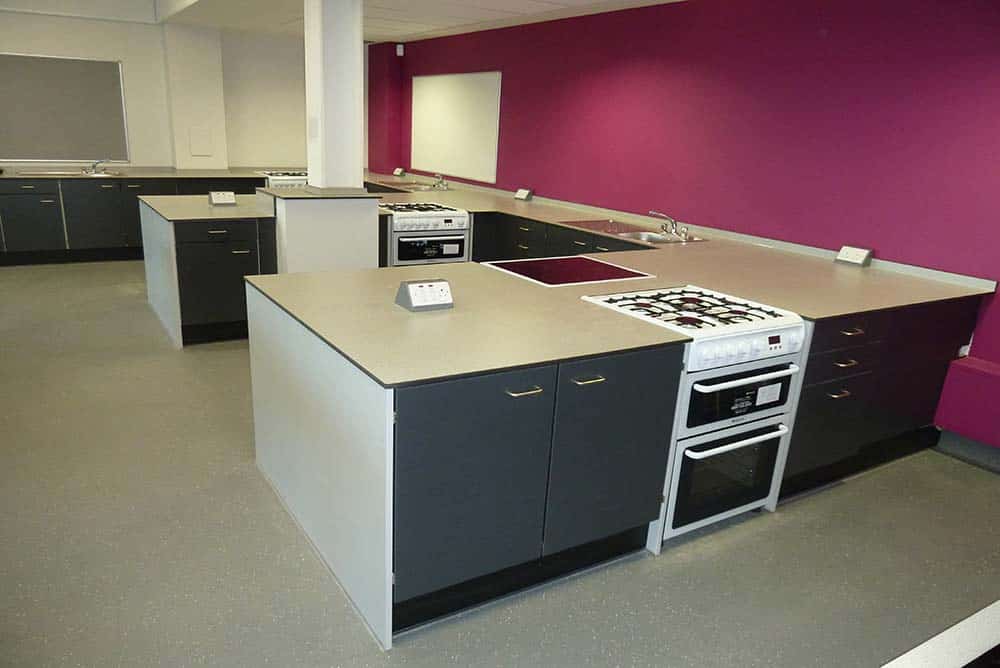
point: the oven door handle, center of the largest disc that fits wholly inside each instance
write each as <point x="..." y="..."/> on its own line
<point x="435" y="238"/>
<point x="705" y="389"/>
<point x="782" y="430"/>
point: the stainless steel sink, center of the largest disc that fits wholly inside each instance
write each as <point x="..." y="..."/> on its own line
<point x="657" y="238"/>
<point x="410" y="185"/>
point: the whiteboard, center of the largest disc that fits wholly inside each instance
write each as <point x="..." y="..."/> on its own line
<point x="456" y="125"/>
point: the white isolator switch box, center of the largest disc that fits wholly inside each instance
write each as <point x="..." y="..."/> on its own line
<point x="861" y="257"/>
<point x="222" y="197"/>
<point x="429" y="295"/>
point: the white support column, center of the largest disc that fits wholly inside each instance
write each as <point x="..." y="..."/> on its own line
<point x="334" y="93"/>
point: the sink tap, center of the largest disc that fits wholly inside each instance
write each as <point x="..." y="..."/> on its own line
<point x="97" y="167"/>
<point x="440" y="183"/>
<point x="669" y="227"/>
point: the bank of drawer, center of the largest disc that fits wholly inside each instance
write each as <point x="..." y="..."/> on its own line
<point x="849" y="331"/>
<point x="28" y="186"/>
<point x="842" y="363"/>
<point x="222" y="230"/>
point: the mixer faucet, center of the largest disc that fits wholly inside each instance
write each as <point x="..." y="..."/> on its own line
<point x="669" y="227"/>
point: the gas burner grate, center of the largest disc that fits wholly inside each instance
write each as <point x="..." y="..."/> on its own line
<point x="691" y="308"/>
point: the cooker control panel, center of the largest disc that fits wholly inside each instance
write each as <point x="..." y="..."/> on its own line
<point x="746" y="347"/>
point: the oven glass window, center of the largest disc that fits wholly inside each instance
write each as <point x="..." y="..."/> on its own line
<point x="429" y="248"/>
<point x="721" y="482"/>
<point x="755" y="396"/>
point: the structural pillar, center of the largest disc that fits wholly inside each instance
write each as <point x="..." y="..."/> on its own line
<point x="334" y="48"/>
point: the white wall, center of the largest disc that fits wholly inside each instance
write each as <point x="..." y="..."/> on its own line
<point x="197" y="102"/>
<point x="138" y="46"/>
<point x="115" y="10"/>
<point x="264" y="82"/>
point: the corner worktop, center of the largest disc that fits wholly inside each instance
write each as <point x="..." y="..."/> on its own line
<point x="134" y="173"/>
<point x="175" y="208"/>
<point x="501" y="321"/>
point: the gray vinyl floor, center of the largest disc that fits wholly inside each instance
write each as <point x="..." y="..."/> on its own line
<point x="136" y="531"/>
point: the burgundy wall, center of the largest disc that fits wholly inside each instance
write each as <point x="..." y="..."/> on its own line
<point x="825" y="122"/>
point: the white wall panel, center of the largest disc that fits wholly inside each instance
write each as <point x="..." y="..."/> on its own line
<point x="456" y="125"/>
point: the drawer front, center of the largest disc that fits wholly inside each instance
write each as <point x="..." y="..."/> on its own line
<point x="215" y="231"/>
<point x="28" y="186"/>
<point x="603" y="244"/>
<point x="843" y="363"/>
<point x="849" y="331"/>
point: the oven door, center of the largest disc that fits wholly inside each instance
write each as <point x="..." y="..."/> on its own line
<point x="726" y="473"/>
<point x="429" y="248"/>
<point x="720" y="398"/>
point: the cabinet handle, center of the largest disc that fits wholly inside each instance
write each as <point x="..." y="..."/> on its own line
<point x="589" y="381"/>
<point x="526" y="393"/>
<point x="602" y="248"/>
<point x="134" y="185"/>
<point x="856" y="331"/>
<point x="849" y="364"/>
<point x="580" y="243"/>
<point x="218" y="231"/>
<point x="27" y="187"/>
<point x="46" y="201"/>
<point x="107" y="186"/>
<point x="843" y="394"/>
<point x="523" y="228"/>
<point x="523" y="247"/>
<point x="241" y="252"/>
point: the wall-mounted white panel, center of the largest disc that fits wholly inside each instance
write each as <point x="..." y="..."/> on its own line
<point x="456" y="125"/>
<point x="140" y="11"/>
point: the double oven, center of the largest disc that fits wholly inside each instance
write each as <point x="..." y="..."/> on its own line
<point x="731" y="435"/>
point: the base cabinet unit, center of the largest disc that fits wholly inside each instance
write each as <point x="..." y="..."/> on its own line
<point x="871" y="378"/>
<point x="131" y="189"/>
<point x="610" y="442"/>
<point x="498" y="470"/>
<point x="471" y="469"/>
<point x="203" y="186"/>
<point x="32" y="223"/>
<point x="93" y="213"/>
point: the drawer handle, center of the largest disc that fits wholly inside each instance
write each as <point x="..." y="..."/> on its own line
<point x="843" y="394"/>
<point x="849" y="364"/>
<point x="107" y="186"/>
<point x="523" y="228"/>
<point x="47" y="201"/>
<point x="602" y="248"/>
<point x="580" y="243"/>
<point x="525" y="393"/>
<point x="134" y="185"/>
<point x="27" y="187"/>
<point x="523" y="247"/>
<point x="218" y="231"/>
<point x="589" y="381"/>
<point x="856" y="331"/>
<point x="241" y="252"/>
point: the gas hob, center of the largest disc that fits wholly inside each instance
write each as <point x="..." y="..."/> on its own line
<point x="425" y="216"/>
<point x="726" y="329"/>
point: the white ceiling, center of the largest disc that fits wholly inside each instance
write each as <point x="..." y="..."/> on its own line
<point x="397" y="20"/>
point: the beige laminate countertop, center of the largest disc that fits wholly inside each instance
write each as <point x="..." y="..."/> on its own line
<point x="174" y="208"/>
<point x="309" y="192"/>
<point x="135" y="173"/>
<point x="502" y="321"/>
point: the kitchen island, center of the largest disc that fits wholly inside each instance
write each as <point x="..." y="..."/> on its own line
<point x="196" y="257"/>
<point x="415" y="449"/>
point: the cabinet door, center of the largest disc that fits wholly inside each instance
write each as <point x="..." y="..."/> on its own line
<point x="93" y="213"/>
<point x="267" y="246"/>
<point x="833" y="421"/>
<point x="613" y="423"/>
<point x="131" y="189"/>
<point x="32" y="222"/>
<point x="210" y="276"/>
<point x="472" y="460"/>
<point x="485" y="239"/>
<point x="603" y="244"/>
<point x="565" y="241"/>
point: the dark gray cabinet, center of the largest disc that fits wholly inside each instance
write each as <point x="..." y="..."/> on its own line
<point x="471" y="467"/>
<point x="871" y="377"/>
<point x="203" y="186"/>
<point x="32" y="222"/>
<point x="210" y="278"/>
<point x="93" y="213"/>
<point x="566" y="241"/>
<point x="610" y="444"/>
<point x="131" y="189"/>
<point x="500" y="236"/>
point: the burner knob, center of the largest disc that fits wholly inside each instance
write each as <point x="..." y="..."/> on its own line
<point x="731" y="351"/>
<point x="707" y="354"/>
<point x="744" y="349"/>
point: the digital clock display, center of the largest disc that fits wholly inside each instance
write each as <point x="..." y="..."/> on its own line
<point x="774" y="340"/>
